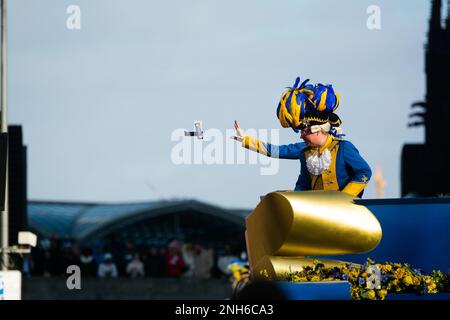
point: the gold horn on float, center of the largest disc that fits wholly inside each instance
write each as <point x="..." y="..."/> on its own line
<point x="285" y="227"/>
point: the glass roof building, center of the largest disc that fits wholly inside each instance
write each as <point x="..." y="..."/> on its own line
<point x="146" y="223"/>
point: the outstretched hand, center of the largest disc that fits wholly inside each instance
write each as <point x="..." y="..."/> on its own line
<point x="239" y="132"/>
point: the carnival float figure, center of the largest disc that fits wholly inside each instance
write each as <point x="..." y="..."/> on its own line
<point x="288" y="229"/>
<point x="328" y="162"/>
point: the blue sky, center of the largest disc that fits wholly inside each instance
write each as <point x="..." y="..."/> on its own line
<point x="98" y="105"/>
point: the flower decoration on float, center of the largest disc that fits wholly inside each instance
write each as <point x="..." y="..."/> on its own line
<point x="395" y="278"/>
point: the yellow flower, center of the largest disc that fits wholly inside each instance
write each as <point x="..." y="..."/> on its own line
<point x="431" y="285"/>
<point x="432" y="290"/>
<point x="354" y="293"/>
<point x="297" y="278"/>
<point x="408" y="280"/>
<point x="402" y="278"/>
<point x="395" y="285"/>
<point x="399" y="273"/>
<point x="371" y="294"/>
<point x="387" y="268"/>
<point x="382" y="294"/>
<point x="315" y="278"/>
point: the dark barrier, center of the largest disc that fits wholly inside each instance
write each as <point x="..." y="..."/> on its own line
<point x="55" y="288"/>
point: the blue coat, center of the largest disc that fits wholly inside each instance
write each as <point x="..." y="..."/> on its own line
<point x="351" y="171"/>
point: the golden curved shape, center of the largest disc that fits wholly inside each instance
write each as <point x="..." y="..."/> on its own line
<point x="310" y="223"/>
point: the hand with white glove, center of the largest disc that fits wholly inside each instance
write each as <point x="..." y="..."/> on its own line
<point x="239" y="132"/>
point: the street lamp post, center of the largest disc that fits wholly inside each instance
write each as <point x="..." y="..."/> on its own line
<point x="4" y="129"/>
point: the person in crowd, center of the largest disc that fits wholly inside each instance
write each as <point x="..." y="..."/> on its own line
<point x="135" y="268"/>
<point x="54" y="256"/>
<point x="175" y="265"/>
<point x="47" y="264"/>
<point x="154" y="263"/>
<point x="88" y="265"/>
<point x="126" y="257"/>
<point x="98" y="255"/>
<point x="27" y="265"/>
<point x="189" y="253"/>
<point x="69" y="256"/>
<point x="117" y="248"/>
<point x="162" y="268"/>
<point x="204" y="261"/>
<point x="107" y="269"/>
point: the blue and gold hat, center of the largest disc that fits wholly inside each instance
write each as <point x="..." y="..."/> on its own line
<point x="305" y="104"/>
<point x="294" y="102"/>
<point x="325" y="98"/>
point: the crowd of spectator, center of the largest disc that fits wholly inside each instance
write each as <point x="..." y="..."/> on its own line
<point x="117" y="259"/>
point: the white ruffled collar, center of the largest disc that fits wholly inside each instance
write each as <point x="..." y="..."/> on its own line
<point x="316" y="163"/>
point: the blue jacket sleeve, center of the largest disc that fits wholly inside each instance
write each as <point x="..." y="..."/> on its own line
<point x="290" y="151"/>
<point x="304" y="179"/>
<point x="287" y="151"/>
<point x="358" y="166"/>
